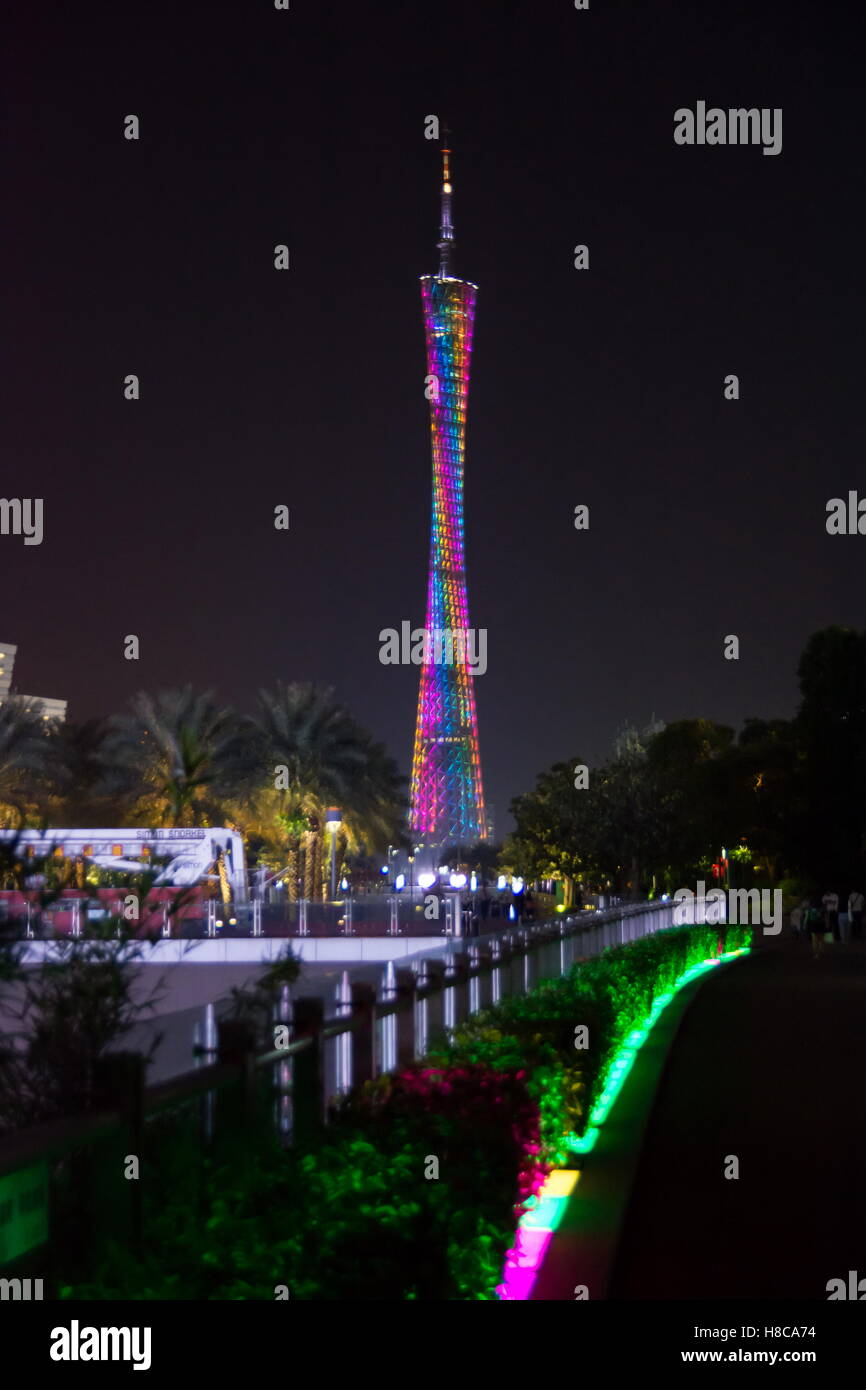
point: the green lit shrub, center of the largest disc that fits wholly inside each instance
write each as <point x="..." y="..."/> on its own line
<point x="357" y="1218"/>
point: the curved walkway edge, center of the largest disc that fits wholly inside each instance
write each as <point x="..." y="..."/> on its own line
<point x="583" y="1248"/>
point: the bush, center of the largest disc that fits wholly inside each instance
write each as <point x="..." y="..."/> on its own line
<point x="362" y="1216"/>
<point x="610" y="994"/>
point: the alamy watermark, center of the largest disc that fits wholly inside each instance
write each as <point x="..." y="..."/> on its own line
<point x="738" y="906"/>
<point x="22" y="516"/>
<point x="854" y="1288"/>
<point x="435" y="646"/>
<point x="77" y="1343"/>
<point x="846" y="518"/>
<point x="20" y="1290"/>
<point x="736" y="126"/>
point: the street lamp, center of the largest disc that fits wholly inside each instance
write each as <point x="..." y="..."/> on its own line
<point x="333" y="821"/>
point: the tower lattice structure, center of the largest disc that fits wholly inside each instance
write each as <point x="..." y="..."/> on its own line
<point x="447" y="797"/>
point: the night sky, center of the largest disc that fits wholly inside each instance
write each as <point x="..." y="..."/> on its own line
<point x="603" y="387"/>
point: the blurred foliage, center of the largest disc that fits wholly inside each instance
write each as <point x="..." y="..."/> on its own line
<point x="361" y="1216"/>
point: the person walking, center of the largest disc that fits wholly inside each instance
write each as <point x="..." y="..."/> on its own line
<point x="815" y="923"/>
<point x="855" y="914"/>
<point x="844" y="919"/>
<point x="830" y="904"/>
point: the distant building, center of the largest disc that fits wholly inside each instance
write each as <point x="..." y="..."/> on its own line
<point x="51" y="709"/>
<point x="632" y="740"/>
<point x="7" y="666"/>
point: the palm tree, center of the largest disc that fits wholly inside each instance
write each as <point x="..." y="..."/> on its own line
<point x="84" y="791"/>
<point x="24" y="759"/>
<point x="328" y="760"/>
<point x="179" y="754"/>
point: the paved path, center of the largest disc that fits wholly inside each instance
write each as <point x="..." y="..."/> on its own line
<point x="768" y="1064"/>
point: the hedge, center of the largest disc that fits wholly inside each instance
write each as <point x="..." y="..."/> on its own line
<point x="414" y="1191"/>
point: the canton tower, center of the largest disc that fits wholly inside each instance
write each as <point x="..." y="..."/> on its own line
<point x="447" y="799"/>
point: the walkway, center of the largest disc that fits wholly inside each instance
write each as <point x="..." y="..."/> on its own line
<point x="768" y="1064"/>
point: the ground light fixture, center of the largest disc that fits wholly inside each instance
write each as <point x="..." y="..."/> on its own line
<point x="545" y="1209"/>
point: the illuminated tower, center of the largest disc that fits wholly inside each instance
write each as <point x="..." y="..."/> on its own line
<point x="447" y="795"/>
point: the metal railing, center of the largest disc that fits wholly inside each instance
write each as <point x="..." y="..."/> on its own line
<point x="397" y="914"/>
<point x="371" y="1033"/>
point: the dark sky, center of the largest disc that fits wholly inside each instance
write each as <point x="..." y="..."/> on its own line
<point x="306" y="387"/>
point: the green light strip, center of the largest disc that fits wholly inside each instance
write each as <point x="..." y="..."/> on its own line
<point x="623" y="1059"/>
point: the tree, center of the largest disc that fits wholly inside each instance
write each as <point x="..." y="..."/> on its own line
<point x="649" y="811"/>
<point x="178" y="755"/>
<point x="625" y="816"/>
<point x="84" y="788"/>
<point x="554" y="834"/>
<point x="688" y="783"/>
<point x="764" y="795"/>
<point x="317" y="756"/>
<point x="24" y="760"/>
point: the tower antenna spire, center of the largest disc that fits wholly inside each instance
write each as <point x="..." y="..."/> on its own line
<point x="446" y="226"/>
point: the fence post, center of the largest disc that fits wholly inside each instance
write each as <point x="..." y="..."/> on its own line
<point x="119" y="1085"/>
<point x="474" y="980"/>
<point x="363" y="1034"/>
<point x="456" y="915"/>
<point x="432" y="979"/>
<point x="420" y="1008"/>
<point x="308" y="1105"/>
<point x="236" y="1046"/>
<point x="405" y="1019"/>
<point x="343" y="1066"/>
<point x="506" y="954"/>
<point x="457" y="998"/>
<point x="495" y="970"/>
<point x="282" y="1070"/>
<point x="388" y="1022"/>
<point x="528" y="960"/>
